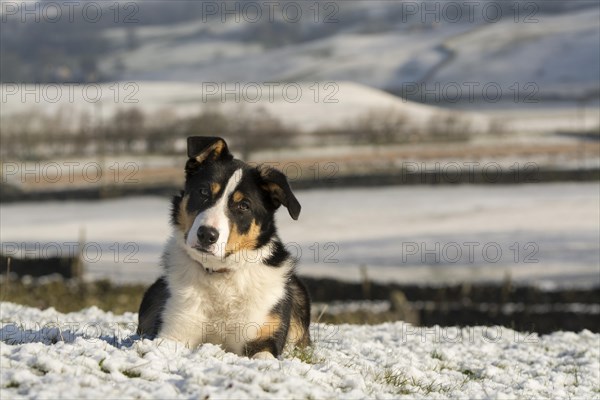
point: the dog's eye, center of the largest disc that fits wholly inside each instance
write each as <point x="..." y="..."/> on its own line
<point x="243" y="206"/>
<point x="204" y="192"/>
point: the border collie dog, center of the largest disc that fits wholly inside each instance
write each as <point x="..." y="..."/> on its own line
<point x="228" y="279"/>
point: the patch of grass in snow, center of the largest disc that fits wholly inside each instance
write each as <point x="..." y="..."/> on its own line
<point x="472" y="375"/>
<point x="405" y="385"/>
<point x="12" y="385"/>
<point x="575" y="372"/>
<point x="38" y="368"/>
<point x="398" y="381"/>
<point x="267" y="388"/>
<point x="70" y="296"/>
<point x="102" y="367"/>
<point x="432" y="387"/>
<point x="131" y="373"/>
<point x="500" y="365"/>
<point x="306" y="355"/>
<point x="395" y="379"/>
<point x="437" y="355"/>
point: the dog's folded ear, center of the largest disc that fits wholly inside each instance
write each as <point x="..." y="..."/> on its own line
<point x="276" y="183"/>
<point x="203" y="149"/>
<point x="207" y="148"/>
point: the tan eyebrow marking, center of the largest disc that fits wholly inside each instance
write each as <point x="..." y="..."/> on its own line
<point x="238" y="196"/>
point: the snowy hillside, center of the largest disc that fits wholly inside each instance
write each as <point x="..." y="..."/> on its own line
<point x="380" y="44"/>
<point x="94" y="354"/>
<point x="559" y="54"/>
<point x="383" y="44"/>
<point x="311" y="107"/>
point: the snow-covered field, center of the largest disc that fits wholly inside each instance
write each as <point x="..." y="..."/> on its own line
<point x="94" y="354"/>
<point x="541" y="234"/>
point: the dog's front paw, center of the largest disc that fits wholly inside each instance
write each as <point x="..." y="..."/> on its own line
<point x="263" y="355"/>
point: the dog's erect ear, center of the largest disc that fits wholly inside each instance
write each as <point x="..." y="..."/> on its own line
<point x="278" y="187"/>
<point x="207" y="148"/>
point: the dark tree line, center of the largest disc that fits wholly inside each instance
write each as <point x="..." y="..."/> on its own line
<point x="131" y="131"/>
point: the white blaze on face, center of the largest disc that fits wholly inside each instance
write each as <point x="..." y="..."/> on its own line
<point x="216" y="217"/>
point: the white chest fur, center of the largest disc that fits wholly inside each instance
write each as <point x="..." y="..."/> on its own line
<point x="230" y="308"/>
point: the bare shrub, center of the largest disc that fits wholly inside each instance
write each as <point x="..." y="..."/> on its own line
<point x="448" y="127"/>
<point x="131" y="131"/>
<point x="381" y="126"/>
<point x="126" y="127"/>
<point x="497" y="127"/>
<point x="209" y="122"/>
<point x="259" y="130"/>
<point x="21" y="138"/>
<point x="163" y="128"/>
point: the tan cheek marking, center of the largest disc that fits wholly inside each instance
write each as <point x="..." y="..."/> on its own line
<point x="238" y="241"/>
<point x="215" y="188"/>
<point x="185" y="219"/>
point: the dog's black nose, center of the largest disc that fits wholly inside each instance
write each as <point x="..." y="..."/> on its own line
<point x="207" y="235"/>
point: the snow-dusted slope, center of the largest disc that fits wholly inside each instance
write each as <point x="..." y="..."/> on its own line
<point x="558" y="54"/>
<point x="93" y="354"/>
<point x="305" y="106"/>
<point x="385" y="45"/>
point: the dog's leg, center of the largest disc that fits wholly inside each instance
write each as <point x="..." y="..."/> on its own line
<point x="149" y="317"/>
<point x="272" y="335"/>
<point x="263" y="349"/>
<point x="263" y="355"/>
<point x="299" y="333"/>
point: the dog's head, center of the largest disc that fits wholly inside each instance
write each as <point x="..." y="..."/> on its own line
<point x="227" y="206"/>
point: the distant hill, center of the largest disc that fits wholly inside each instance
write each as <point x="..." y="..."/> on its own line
<point x="553" y="47"/>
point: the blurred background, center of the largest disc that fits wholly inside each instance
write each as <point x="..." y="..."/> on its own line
<point x="446" y="154"/>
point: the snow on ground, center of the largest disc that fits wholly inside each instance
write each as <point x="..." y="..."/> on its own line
<point x="94" y="354"/>
<point x="541" y="234"/>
